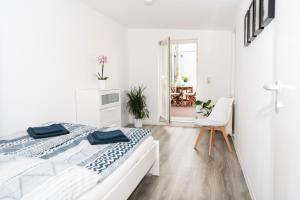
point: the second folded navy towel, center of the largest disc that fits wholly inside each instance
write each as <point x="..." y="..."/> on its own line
<point x="107" y="137"/>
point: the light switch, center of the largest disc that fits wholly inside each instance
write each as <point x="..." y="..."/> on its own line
<point x="208" y="80"/>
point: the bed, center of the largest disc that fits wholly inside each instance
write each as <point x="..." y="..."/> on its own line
<point x="68" y="167"/>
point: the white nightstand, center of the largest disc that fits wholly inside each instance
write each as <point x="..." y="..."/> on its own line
<point x="101" y="108"/>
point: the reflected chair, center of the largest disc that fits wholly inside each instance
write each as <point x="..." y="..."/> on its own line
<point x="179" y="101"/>
<point x="191" y="98"/>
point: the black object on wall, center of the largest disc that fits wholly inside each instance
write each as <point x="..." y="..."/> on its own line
<point x="267" y="11"/>
<point x="246" y="29"/>
<point x="257" y="26"/>
<point x="251" y="22"/>
<point x="258" y="16"/>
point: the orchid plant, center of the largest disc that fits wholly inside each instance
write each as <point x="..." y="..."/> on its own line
<point x="101" y="61"/>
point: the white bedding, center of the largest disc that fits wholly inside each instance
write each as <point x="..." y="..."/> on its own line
<point x="68" y="167"/>
<point x="86" y="180"/>
<point x="103" y="188"/>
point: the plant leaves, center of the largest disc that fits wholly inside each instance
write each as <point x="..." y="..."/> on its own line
<point x="136" y="103"/>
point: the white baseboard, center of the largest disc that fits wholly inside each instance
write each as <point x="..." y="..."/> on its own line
<point x="242" y="164"/>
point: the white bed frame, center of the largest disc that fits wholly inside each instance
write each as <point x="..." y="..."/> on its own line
<point x="148" y="163"/>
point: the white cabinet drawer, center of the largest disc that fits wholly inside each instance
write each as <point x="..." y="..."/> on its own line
<point x="109" y="99"/>
<point x="113" y="124"/>
<point x="110" y="115"/>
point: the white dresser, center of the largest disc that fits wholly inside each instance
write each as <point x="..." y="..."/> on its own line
<point x="101" y="108"/>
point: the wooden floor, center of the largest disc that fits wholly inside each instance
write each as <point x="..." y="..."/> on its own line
<point x="183" y="112"/>
<point x="187" y="174"/>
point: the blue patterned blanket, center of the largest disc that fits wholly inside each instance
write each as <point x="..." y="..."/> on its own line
<point x="30" y="162"/>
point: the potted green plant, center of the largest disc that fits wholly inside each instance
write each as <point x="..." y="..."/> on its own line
<point x="204" y="107"/>
<point x="137" y="105"/>
<point x="198" y="106"/>
<point x="185" y="79"/>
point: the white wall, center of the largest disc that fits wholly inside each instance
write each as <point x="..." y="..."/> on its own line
<point x="254" y="107"/>
<point x="214" y="60"/>
<point x="47" y="50"/>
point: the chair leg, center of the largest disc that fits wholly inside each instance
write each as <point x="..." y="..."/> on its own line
<point x="210" y="141"/>
<point x="226" y="139"/>
<point x="200" y="135"/>
<point x="214" y="138"/>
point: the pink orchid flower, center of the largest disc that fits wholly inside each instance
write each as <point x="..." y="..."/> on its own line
<point x="102" y="60"/>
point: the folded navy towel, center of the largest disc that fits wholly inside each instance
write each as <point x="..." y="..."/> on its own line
<point x="107" y="137"/>
<point x="47" y="131"/>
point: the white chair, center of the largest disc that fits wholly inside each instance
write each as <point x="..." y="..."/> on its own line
<point x="216" y="121"/>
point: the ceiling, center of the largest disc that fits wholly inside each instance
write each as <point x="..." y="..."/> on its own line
<point x="171" y="14"/>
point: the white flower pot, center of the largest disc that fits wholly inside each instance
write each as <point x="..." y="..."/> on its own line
<point x="198" y="109"/>
<point x="138" y="123"/>
<point x="102" y="84"/>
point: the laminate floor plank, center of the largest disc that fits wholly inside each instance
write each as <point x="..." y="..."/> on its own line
<point x="188" y="174"/>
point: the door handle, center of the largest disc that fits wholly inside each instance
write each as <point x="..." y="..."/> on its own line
<point x="276" y="87"/>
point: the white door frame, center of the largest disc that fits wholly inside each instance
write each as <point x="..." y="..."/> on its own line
<point x="160" y="65"/>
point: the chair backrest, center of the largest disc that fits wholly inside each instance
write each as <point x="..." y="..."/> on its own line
<point x="222" y="110"/>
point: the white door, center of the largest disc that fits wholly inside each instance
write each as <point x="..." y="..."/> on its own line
<point x="164" y="88"/>
<point x="286" y="122"/>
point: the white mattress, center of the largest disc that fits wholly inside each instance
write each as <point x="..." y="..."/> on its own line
<point x="103" y="188"/>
